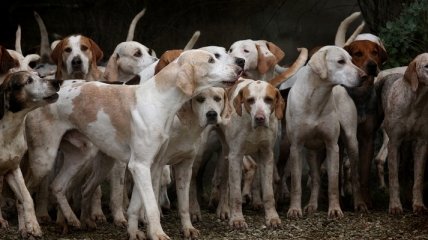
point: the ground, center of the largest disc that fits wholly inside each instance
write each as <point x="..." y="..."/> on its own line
<point x="376" y="225"/>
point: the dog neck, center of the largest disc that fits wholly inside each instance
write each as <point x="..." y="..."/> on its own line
<point x="13" y="125"/>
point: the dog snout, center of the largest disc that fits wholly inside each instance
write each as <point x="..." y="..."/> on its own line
<point x="240" y="62"/>
<point x="56" y="84"/>
<point x="260" y="119"/>
<point x="76" y="62"/>
<point x="371" y="68"/>
<point x="212" y="116"/>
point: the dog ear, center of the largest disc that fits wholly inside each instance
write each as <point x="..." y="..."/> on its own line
<point x="166" y="58"/>
<point x="237" y="102"/>
<point x="56" y="57"/>
<point x="226" y="108"/>
<point x="97" y="53"/>
<point x="185" y="113"/>
<point x="279" y="105"/>
<point x="2" y="101"/>
<point x="275" y="50"/>
<point x="318" y="64"/>
<point x="186" y="79"/>
<point x="6" y="60"/>
<point x="265" y="59"/>
<point x="411" y="76"/>
<point x="383" y="56"/>
<point x="111" y="73"/>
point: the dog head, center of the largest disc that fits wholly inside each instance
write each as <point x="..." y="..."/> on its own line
<point x="76" y="56"/>
<point x="335" y="65"/>
<point x="417" y="72"/>
<point x="26" y="90"/>
<point x="367" y="55"/>
<point x="261" y="100"/>
<point x="210" y="106"/>
<point x="200" y="69"/>
<point x="260" y="56"/>
<point x="127" y="60"/>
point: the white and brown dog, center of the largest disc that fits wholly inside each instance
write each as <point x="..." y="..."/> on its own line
<point x="20" y="93"/>
<point x="134" y="129"/>
<point x="316" y="113"/>
<point x="76" y="57"/>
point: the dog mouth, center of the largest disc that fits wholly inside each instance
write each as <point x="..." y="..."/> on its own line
<point x="52" y="98"/>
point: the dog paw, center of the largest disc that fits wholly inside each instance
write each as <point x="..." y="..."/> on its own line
<point x="74" y="222"/>
<point x="99" y="217"/>
<point x="44" y="219"/>
<point x="3" y="223"/>
<point x="419" y="208"/>
<point x="257" y="206"/>
<point x="395" y="208"/>
<point x="196" y="217"/>
<point x="139" y="235"/>
<point x="190" y="233"/>
<point x="361" y="207"/>
<point x="88" y="224"/>
<point x="31" y="230"/>
<point x="238" y="223"/>
<point x="311" y="208"/>
<point x="223" y="211"/>
<point x="120" y="222"/>
<point x="273" y="222"/>
<point x="335" y="213"/>
<point x="294" y="213"/>
<point x="160" y="236"/>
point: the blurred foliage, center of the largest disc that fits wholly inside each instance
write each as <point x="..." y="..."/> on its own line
<point x="406" y="36"/>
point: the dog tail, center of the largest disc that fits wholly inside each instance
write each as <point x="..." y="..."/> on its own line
<point x="192" y="41"/>
<point x="300" y="61"/>
<point x="45" y="50"/>
<point x="357" y="31"/>
<point x="340" y="39"/>
<point x="18" y="40"/>
<point x="133" y="24"/>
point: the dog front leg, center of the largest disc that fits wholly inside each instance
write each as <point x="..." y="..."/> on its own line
<point x="3" y="222"/>
<point x="17" y="184"/>
<point x="394" y="186"/>
<point x="419" y="169"/>
<point x="381" y="159"/>
<point x="334" y="210"/>
<point x="295" y="210"/>
<point x="183" y="174"/>
<point x="314" y="172"/>
<point x="237" y="220"/>
<point x="266" y="164"/>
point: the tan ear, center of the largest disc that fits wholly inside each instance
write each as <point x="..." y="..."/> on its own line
<point x="265" y="61"/>
<point x="226" y="108"/>
<point x="318" y="64"/>
<point x="166" y="58"/>
<point x="6" y="60"/>
<point x="383" y="56"/>
<point x="279" y="105"/>
<point x="185" y="113"/>
<point x="275" y="50"/>
<point x="97" y="53"/>
<point x="237" y="103"/>
<point x="56" y="57"/>
<point x="111" y="73"/>
<point x="411" y="76"/>
<point x="186" y="79"/>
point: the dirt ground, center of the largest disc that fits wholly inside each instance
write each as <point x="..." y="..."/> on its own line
<point x="375" y="225"/>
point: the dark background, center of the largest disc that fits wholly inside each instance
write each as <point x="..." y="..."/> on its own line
<point x="169" y="24"/>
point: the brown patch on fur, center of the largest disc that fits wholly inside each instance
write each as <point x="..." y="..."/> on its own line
<point x="166" y="58"/>
<point x="115" y="101"/>
<point x="278" y="105"/>
<point x="6" y="61"/>
<point x="365" y="52"/>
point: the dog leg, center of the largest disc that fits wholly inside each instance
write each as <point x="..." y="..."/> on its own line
<point x="334" y="210"/>
<point x="194" y="208"/>
<point x="134" y="209"/>
<point x="3" y="222"/>
<point x="96" y="208"/>
<point x="237" y="220"/>
<point x="295" y="210"/>
<point x="17" y="184"/>
<point x="394" y="186"/>
<point x="223" y="208"/>
<point x="419" y="169"/>
<point x="381" y="159"/>
<point x="266" y="164"/>
<point x="117" y="185"/>
<point x="250" y="168"/>
<point x="257" y="202"/>
<point x="42" y="201"/>
<point x="183" y="174"/>
<point x="314" y="170"/>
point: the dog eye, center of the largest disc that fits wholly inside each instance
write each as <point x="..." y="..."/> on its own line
<point x="30" y="80"/>
<point x="268" y="100"/>
<point x="211" y="60"/>
<point x="358" y="54"/>
<point x="138" y="53"/>
<point x="68" y="49"/>
<point x="217" y="98"/>
<point x="246" y="51"/>
<point x="250" y="101"/>
<point x="341" y="61"/>
<point x="200" y="99"/>
<point x="83" y="48"/>
<point x="217" y="56"/>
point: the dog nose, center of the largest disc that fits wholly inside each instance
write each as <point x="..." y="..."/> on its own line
<point x="240" y="62"/>
<point x="76" y="62"/>
<point x="211" y="115"/>
<point x="372" y="68"/>
<point x="260" y="120"/>
<point x="56" y="84"/>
